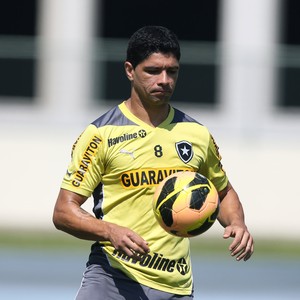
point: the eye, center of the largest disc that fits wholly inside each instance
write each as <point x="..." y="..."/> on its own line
<point x="153" y="71"/>
<point x="173" y="71"/>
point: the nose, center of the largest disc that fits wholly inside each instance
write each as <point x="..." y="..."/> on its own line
<point x="164" y="78"/>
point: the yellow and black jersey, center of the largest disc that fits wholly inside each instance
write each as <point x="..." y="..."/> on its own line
<point x="119" y="160"/>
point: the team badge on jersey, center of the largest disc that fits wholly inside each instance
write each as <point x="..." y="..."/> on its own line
<point x="184" y="150"/>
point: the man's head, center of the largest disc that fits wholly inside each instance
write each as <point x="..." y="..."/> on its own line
<point x="149" y="40"/>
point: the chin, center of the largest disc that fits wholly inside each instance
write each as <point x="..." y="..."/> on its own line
<point x="161" y="100"/>
<point x="161" y="103"/>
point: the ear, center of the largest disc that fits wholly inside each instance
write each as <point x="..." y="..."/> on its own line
<point x="129" y="70"/>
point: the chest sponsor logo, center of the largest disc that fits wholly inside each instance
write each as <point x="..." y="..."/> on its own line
<point x="126" y="137"/>
<point x="157" y="261"/>
<point x="184" y="150"/>
<point x="146" y="177"/>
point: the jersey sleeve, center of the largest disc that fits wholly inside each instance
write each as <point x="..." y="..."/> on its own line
<point x="85" y="170"/>
<point x="213" y="167"/>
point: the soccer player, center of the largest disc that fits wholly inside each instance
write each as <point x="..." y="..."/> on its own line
<point x="119" y="159"/>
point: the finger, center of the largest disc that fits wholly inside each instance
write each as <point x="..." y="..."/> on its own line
<point x="227" y="232"/>
<point x="236" y="244"/>
<point x="242" y="254"/>
<point x="239" y="243"/>
<point x="249" y="253"/>
<point x="131" y="254"/>
<point x="134" y="249"/>
<point x="246" y="252"/>
<point x="138" y="244"/>
<point x="245" y="255"/>
<point x="137" y="249"/>
<point x="135" y="255"/>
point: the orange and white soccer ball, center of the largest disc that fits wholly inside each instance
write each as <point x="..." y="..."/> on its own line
<point x="186" y="204"/>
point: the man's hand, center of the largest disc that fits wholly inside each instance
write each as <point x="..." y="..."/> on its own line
<point x="231" y="217"/>
<point x="127" y="241"/>
<point x="242" y="246"/>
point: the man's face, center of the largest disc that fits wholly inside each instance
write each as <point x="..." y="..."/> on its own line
<point x="154" y="79"/>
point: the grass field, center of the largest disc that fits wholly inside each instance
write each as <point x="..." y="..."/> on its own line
<point x="59" y="241"/>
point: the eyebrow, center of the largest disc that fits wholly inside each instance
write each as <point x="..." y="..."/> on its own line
<point x="159" y="67"/>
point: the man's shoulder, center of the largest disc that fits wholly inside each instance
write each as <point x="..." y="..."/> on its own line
<point x="180" y="116"/>
<point x="114" y="116"/>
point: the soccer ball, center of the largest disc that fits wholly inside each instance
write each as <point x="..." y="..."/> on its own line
<point x="186" y="204"/>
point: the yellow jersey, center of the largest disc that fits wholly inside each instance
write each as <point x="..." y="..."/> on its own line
<point x="120" y="160"/>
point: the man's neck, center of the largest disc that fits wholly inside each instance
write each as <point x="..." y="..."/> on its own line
<point x="152" y="116"/>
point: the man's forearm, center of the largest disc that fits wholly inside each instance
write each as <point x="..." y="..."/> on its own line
<point x="231" y="209"/>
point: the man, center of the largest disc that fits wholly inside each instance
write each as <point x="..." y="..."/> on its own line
<point x="133" y="257"/>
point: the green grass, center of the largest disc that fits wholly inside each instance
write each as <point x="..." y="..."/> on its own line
<point x="42" y="240"/>
<point x="58" y="241"/>
<point x="270" y="248"/>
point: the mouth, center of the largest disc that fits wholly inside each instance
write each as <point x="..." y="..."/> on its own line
<point x="162" y="93"/>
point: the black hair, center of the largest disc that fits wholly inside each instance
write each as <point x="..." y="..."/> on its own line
<point x="151" y="39"/>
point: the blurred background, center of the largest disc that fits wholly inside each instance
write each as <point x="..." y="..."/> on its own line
<point x="61" y="66"/>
